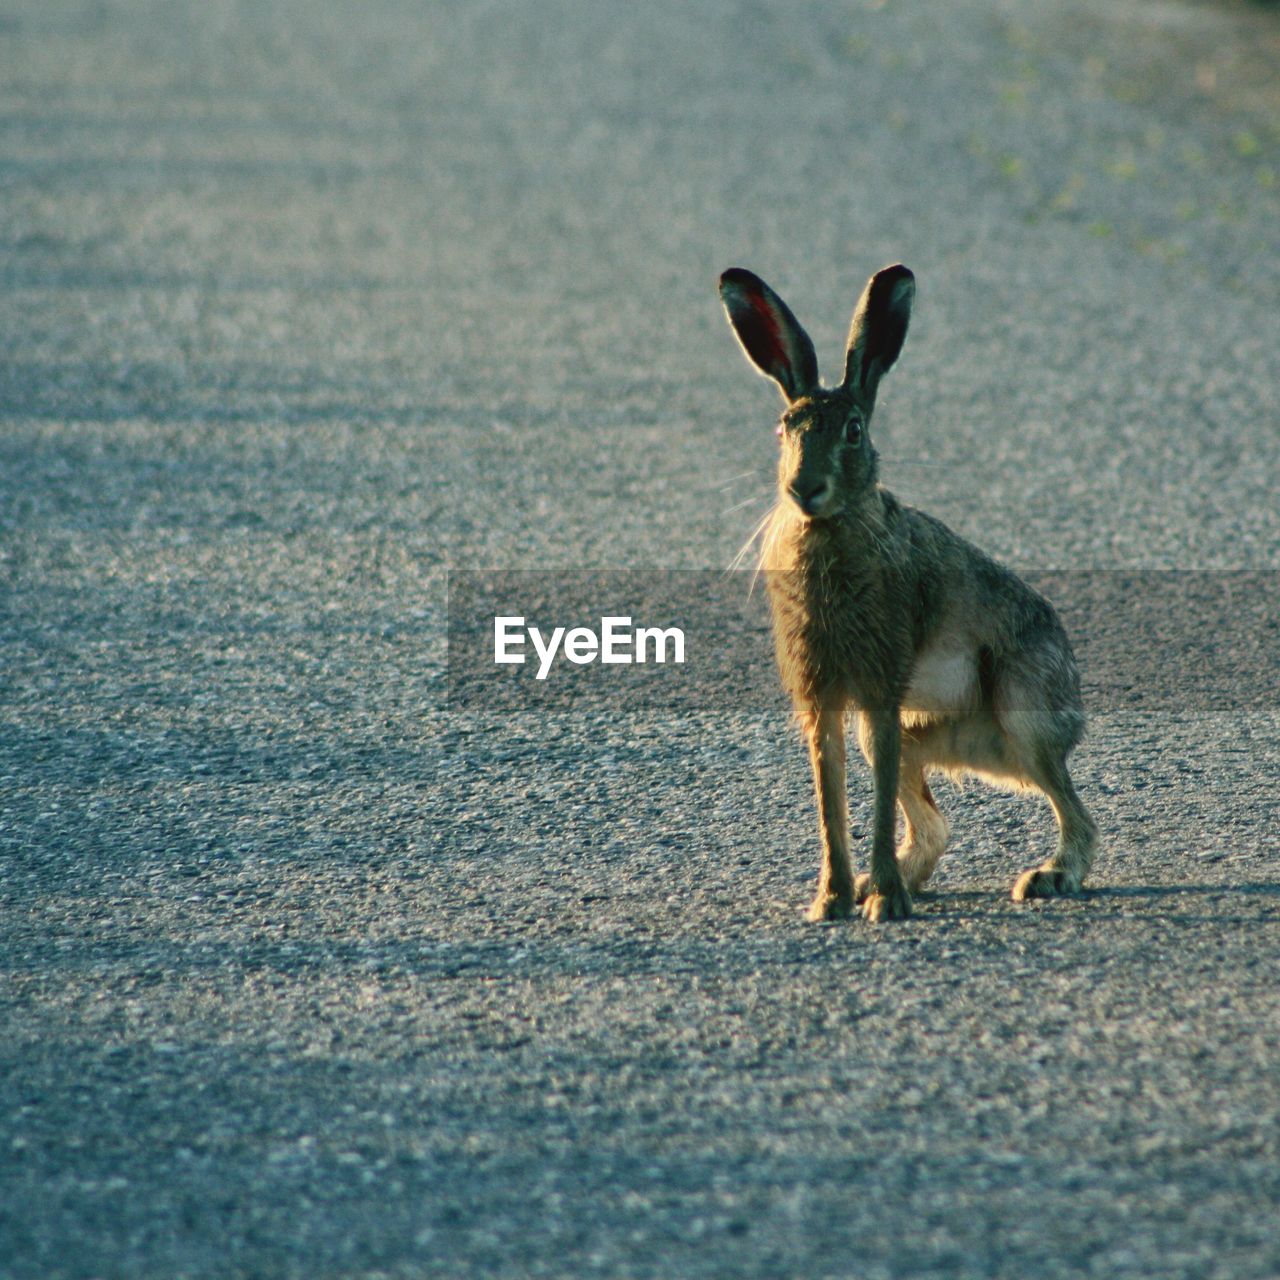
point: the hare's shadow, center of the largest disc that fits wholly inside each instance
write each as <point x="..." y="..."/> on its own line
<point x="975" y="903"/>
<point x="1266" y="889"/>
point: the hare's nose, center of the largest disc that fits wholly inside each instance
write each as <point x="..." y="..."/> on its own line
<point x="811" y="498"/>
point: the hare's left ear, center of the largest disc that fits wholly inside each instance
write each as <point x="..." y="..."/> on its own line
<point x="770" y="335"/>
<point x="879" y="328"/>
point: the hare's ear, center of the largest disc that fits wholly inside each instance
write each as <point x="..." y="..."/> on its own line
<point x="879" y="328"/>
<point x="769" y="333"/>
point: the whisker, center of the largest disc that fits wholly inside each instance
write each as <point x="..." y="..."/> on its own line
<point x="736" y="563"/>
<point x="728" y="484"/>
<point x="743" y="551"/>
<point x="912" y="462"/>
<point x="770" y="532"/>
<point x="910" y="494"/>
<point x="746" y="502"/>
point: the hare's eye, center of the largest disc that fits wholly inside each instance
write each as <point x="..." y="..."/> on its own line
<point x="853" y="429"/>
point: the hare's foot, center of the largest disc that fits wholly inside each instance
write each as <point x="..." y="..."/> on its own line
<point x="894" y="905"/>
<point x="911" y="877"/>
<point x="916" y="862"/>
<point x="1045" y="882"/>
<point x="831" y="906"/>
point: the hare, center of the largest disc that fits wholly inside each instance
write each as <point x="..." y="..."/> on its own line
<point x="950" y="661"/>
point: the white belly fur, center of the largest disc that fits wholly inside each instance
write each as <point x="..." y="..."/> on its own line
<point x="944" y="683"/>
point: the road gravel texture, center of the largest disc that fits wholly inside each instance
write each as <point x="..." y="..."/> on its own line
<point x="304" y="974"/>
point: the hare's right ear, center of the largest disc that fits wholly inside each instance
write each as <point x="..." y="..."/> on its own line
<point x="769" y="333"/>
<point x="879" y="328"/>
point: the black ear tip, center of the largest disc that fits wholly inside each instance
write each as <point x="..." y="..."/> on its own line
<point x="894" y="287"/>
<point x="739" y="278"/>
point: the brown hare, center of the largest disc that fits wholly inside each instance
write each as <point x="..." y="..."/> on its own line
<point x="950" y="660"/>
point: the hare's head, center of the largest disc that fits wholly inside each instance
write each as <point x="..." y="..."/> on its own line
<point x="826" y="458"/>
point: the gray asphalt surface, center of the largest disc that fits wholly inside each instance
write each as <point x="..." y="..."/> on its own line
<point x="302" y="974"/>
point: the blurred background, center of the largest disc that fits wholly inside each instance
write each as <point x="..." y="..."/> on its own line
<point x="479" y="243"/>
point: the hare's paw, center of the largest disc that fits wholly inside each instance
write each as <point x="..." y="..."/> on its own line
<point x="1044" y="882"/>
<point x="862" y="889"/>
<point x="894" y="905"/>
<point x="831" y="906"/>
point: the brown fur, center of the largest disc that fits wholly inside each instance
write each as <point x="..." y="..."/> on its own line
<point x="948" y="659"/>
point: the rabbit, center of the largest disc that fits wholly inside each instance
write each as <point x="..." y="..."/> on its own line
<point x="949" y="659"/>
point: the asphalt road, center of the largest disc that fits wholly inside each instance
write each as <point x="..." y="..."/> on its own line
<point x="303" y="973"/>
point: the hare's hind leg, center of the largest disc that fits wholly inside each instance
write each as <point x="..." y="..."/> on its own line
<point x="927" y="829"/>
<point x="1077" y="835"/>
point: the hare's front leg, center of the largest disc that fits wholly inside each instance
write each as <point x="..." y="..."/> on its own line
<point x="824" y="729"/>
<point x="888" y="898"/>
